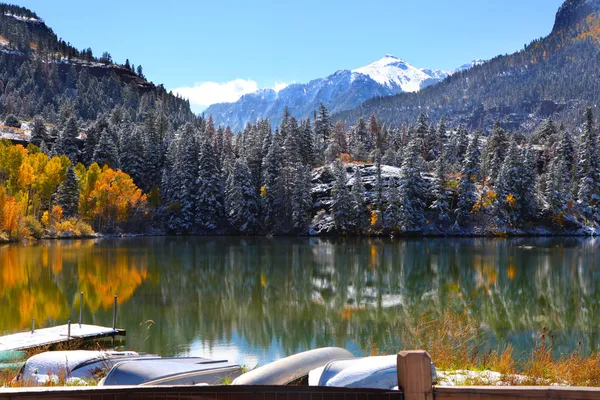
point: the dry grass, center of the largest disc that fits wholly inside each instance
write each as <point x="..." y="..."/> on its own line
<point x="454" y="341"/>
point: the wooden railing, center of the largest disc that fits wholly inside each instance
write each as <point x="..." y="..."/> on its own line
<point x="415" y="377"/>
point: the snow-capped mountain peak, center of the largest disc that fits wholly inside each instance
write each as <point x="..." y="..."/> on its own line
<point x="397" y="74"/>
<point x="342" y="90"/>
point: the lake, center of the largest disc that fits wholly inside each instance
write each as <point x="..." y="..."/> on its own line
<point x="254" y="300"/>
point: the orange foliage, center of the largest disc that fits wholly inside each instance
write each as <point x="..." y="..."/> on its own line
<point x="511" y="200"/>
<point x="345" y="158"/>
<point x="108" y="196"/>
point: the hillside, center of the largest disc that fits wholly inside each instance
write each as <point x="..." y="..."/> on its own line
<point x="553" y="76"/>
<point x="41" y="75"/>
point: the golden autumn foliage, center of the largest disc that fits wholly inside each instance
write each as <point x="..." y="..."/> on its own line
<point x="511" y="200"/>
<point x="29" y="179"/>
<point x="108" y="197"/>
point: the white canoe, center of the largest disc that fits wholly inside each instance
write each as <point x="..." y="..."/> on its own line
<point x="172" y="371"/>
<point x="288" y="369"/>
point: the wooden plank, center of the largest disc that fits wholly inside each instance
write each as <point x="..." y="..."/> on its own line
<point x="199" y="393"/>
<point x="54" y="335"/>
<point x="515" y="393"/>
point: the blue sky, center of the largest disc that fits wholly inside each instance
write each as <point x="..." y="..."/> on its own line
<point x="220" y="49"/>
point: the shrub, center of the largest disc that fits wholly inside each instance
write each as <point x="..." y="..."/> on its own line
<point x="34" y="226"/>
<point x="12" y="121"/>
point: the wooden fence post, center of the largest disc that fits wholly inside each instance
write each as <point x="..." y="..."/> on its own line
<point x="414" y="375"/>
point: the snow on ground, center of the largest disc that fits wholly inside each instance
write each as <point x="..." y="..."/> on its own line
<point x="486" y="378"/>
<point x="21" y="18"/>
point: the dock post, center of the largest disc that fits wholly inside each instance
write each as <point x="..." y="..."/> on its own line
<point x="415" y="375"/>
<point x="32" y="325"/>
<point x="115" y="314"/>
<point x="69" y="330"/>
<point x="80" y="308"/>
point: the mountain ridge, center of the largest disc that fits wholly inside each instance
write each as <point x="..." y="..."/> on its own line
<point x="551" y="77"/>
<point x="339" y="91"/>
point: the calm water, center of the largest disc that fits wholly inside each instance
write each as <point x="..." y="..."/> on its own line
<point x="257" y="299"/>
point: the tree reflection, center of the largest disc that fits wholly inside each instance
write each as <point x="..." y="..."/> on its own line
<point x="298" y="293"/>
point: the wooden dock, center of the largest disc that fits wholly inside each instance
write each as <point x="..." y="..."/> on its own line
<point x="55" y="335"/>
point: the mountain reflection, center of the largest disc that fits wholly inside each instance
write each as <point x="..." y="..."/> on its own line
<point x="283" y="295"/>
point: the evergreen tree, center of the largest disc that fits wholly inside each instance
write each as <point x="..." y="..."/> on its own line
<point x="305" y="144"/>
<point x="392" y="213"/>
<point x="67" y="194"/>
<point x="209" y="199"/>
<point x="558" y="180"/>
<point x="67" y="142"/>
<point x="301" y="196"/>
<point x="242" y="200"/>
<point x="360" y="213"/>
<point x="360" y="143"/>
<point x="467" y="191"/>
<point x="131" y="157"/>
<point x="441" y="202"/>
<point x="419" y="133"/>
<point x="273" y="189"/>
<point x="179" y="181"/>
<point x="495" y="152"/>
<point x="460" y="144"/>
<point x="106" y="152"/>
<point x="588" y="172"/>
<point x="509" y="207"/>
<point x="341" y="207"/>
<point x="322" y="130"/>
<point x="412" y="188"/>
<point x="38" y="131"/>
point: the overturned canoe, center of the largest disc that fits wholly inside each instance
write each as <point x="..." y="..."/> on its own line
<point x="288" y="369"/>
<point x="73" y="364"/>
<point x="172" y="371"/>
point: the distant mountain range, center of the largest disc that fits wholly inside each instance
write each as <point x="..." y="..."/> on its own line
<point x="342" y="90"/>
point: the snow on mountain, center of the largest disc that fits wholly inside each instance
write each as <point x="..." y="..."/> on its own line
<point x="400" y="76"/>
<point x="467" y="66"/>
<point x="342" y="90"/>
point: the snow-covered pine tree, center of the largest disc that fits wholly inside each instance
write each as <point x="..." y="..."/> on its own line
<point x="360" y="141"/>
<point x="273" y="190"/>
<point x="495" y="152"/>
<point x="420" y="131"/>
<point x="210" y="210"/>
<point x="179" y="180"/>
<point x="132" y="155"/>
<point x="509" y="207"/>
<point x="67" y="142"/>
<point x="305" y="143"/>
<point x="441" y="200"/>
<point x="323" y="127"/>
<point x="360" y="213"/>
<point x="341" y="207"/>
<point x="467" y="191"/>
<point x="412" y="188"/>
<point x="106" y="152"/>
<point x="588" y="172"/>
<point x="392" y="213"/>
<point x="301" y="197"/>
<point x="530" y="197"/>
<point x="154" y="151"/>
<point x="38" y="131"/>
<point x="241" y="199"/>
<point x="67" y="194"/>
<point x="459" y="146"/>
<point x="558" y="179"/>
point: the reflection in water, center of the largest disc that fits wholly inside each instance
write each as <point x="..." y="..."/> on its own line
<point x="256" y="299"/>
